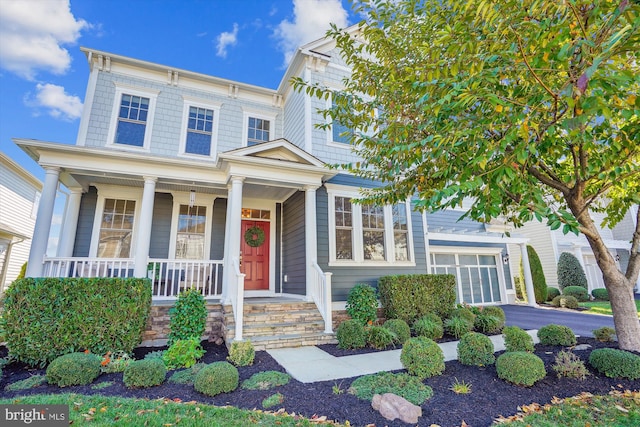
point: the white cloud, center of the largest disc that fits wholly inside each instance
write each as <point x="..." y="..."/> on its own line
<point x="311" y="19"/>
<point x="60" y="104"/>
<point x="226" y="39"/>
<point x="32" y="33"/>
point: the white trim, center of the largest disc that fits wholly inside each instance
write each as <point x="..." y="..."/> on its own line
<point x="118" y="193"/>
<point x="87" y="107"/>
<point x="308" y="123"/>
<point x="256" y="114"/>
<point x="476" y="238"/>
<point x="148" y="130"/>
<point x="357" y="244"/>
<point x="330" y="140"/>
<point x="467" y="250"/>
<point x="199" y="103"/>
<point x="182" y="198"/>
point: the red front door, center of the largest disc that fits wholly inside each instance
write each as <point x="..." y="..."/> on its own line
<point x="254" y="247"/>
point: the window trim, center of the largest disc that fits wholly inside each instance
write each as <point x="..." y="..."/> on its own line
<point x="118" y="193"/>
<point x="182" y="198"/>
<point x="334" y="191"/>
<point x="200" y="103"/>
<point x="256" y="114"/>
<point x="122" y="89"/>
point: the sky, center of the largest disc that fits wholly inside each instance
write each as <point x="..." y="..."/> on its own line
<point x="43" y="73"/>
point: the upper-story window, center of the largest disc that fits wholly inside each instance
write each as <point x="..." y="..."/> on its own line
<point x="339" y="132"/>
<point x="199" y="128"/>
<point x="258" y="131"/>
<point x="132" y="117"/>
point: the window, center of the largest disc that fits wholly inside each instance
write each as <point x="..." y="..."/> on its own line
<point x="190" y="238"/>
<point x="344" y="228"/>
<point x="116" y="228"/>
<point x="339" y="132"/>
<point x="199" y="131"/>
<point x="368" y="234"/>
<point x="132" y="117"/>
<point x="258" y="131"/>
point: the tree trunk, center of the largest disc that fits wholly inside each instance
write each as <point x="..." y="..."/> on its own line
<point x="620" y="287"/>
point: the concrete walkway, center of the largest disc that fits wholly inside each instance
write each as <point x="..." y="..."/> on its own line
<point x="310" y="364"/>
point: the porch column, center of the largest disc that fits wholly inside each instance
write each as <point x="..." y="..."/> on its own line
<point x="141" y="257"/>
<point x="528" y="280"/>
<point x="310" y="237"/>
<point x="70" y="225"/>
<point x="43" y="222"/>
<point x="232" y="237"/>
<point x="226" y="263"/>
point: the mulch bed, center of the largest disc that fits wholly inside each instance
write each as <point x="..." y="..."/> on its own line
<point x="490" y="397"/>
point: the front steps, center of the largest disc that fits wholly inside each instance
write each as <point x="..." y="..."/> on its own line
<point x="278" y="324"/>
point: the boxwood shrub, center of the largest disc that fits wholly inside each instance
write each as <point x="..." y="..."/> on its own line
<point x="616" y="363"/>
<point x="578" y="292"/>
<point x="47" y="317"/>
<point x="351" y="334"/>
<point x="144" y="373"/>
<point x="74" y="369"/>
<point x="600" y="294"/>
<point x="422" y="357"/>
<point x="565" y="301"/>
<point x="411" y="296"/>
<point x="216" y="378"/>
<point x="380" y="337"/>
<point x="552" y="292"/>
<point x="427" y="327"/>
<point x="520" y="368"/>
<point x="400" y="328"/>
<point x="517" y="339"/>
<point x="556" y="335"/>
<point x="476" y="349"/>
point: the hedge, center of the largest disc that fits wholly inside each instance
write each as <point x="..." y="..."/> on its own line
<point x="47" y="317"/>
<point x="409" y="297"/>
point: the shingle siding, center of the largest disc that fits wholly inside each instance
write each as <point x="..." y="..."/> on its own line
<point x="293" y="245"/>
<point x="85" y="223"/>
<point x="161" y="226"/>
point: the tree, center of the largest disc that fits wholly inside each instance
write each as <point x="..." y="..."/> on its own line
<point x="529" y="108"/>
<point x="570" y="272"/>
<point x="537" y="274"/>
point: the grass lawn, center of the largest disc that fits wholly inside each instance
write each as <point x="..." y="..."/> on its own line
<point x="619" y="408"/>
<point x="603" y="307"/>
<point x="117" y="411"/>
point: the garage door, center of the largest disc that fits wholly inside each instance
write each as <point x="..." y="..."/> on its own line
<point x="476" y="276"/>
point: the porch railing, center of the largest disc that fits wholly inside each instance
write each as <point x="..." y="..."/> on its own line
<point x="168" y="276"/>
<point x="236" y="295"/>
<point x="321" y="295"/>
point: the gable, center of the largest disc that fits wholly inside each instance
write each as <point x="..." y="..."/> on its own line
<point x="280" y="149"/>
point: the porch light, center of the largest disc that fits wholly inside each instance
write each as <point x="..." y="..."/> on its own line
<point x="505" y="258"/>
<point x="617" y="257"/>
<point x="192" y="198"/>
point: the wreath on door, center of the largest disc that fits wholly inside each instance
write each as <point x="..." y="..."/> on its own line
<point x="254" y="236"/>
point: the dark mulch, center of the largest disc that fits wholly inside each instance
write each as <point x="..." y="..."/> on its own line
<point x="490" y="397"/>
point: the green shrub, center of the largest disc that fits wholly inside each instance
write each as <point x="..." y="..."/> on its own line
<point x="47" y="317"/>
<point x="556" y="335"/>
<point x="402" y="384"/>
<point x="537" y="274"/>
<point x="520" y="368"/>
<point x="351" y="334"/>
<point x="600" y="294"/>
<point x="570" y="272"/>
<point x="458" y="326"/>
<point x="183" y="353"/>
<point x="144" y="373"/>
<point x="604" y="334"/>
<point x="362" y="303"/>
<point x="565" y="301"/>
<point x="616" y="363"/>
<point x="569" y="365"/>
<point x="188" y="317"/>
<point x="273" y="400"/>
<point x="186" y="376"/>
<point x="465" y="312"/>
<point x="158" y="354"/>
<point x="426" y="327"/>
<point x="422" y="357"/>
<point x="242" y="353"/>
<point x="400" y="329"/>
<point x="74" y="369"/>
<point x="476" y="349"/>
<point x="115" y="362"/>
<point x="517" y="339"/>
<point x="552" y="292"/>
<point x="488" y="324"/>
<point x="578" y="292"/>
<point x="23" y="271"/>
<point x="409" y="297"/>
<point x="26" y="384"/>
<point x="380" y="337"/>
<point x="434" y="318"/>
<point x="216" y="378"/>
<point x="266" y="380"/>
<point x="494" y="310"/>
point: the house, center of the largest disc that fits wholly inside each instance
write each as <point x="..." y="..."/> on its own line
<point x="198" y="181"/>
<point x="19" y="196"/>
<point x="550" y="244"/>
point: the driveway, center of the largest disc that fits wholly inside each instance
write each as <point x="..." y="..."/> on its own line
<point x="535" y="317"/>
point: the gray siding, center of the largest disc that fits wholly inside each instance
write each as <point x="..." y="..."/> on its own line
<point x="278" y="254"/>
<point x="217" y="228"/>
<point x="85" y="223"/>
<point x="448" y="220"/>
<point x="294" y="122"/>
<point x="293" y="245"/>
<point x="161" y="226"/>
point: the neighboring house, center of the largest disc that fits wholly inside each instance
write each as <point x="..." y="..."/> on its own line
<point x="19" y="196"/>
<point x="199" y="181"/>
<point x="549" y="244"/>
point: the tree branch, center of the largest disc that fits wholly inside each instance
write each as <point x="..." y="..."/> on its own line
<point x="533" y="73"/>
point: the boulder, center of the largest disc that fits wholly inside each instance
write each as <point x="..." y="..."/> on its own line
<point x="394" y="407"/>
